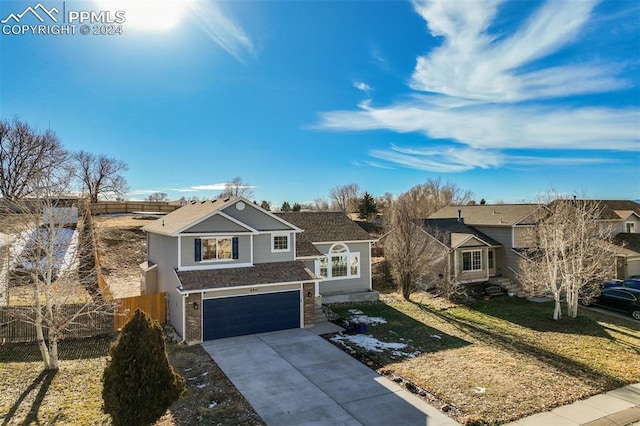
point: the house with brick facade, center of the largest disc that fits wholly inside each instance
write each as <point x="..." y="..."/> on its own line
<point x="231" y="268"/>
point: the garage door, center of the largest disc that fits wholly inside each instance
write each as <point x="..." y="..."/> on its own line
<point x="257" y="313"/>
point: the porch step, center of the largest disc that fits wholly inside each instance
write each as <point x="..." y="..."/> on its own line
<point x="509" y="286"/>
<point x="319" y="315"/>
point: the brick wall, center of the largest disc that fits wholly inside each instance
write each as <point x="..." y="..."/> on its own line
<point x="309" y="303"/>
<point x="194" y="318"/>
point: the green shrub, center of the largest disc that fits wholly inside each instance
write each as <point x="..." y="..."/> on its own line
<point x="139" y="384"/>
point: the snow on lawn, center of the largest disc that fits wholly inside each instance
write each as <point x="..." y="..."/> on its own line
<point x="358" y="316"/>
<point x="370" y="343"/>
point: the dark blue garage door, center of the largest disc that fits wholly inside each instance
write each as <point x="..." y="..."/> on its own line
<point x="258" y="313"/>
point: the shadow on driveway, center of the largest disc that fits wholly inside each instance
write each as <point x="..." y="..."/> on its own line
<point x="294" y="377"/>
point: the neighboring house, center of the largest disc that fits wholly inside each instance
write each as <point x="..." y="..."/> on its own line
<point x="511" y="225"/>
<point x="508" y="225"/>
<point x="468" y="255"/>
<point x="231" y="268"/>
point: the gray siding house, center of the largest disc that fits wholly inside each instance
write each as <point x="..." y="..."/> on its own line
<point x="510" y="225"/>
<point x="231" y="268"/>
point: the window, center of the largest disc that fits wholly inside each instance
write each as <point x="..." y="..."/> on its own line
<point x="222" y="248"/>
<point x="339" y="263"/>
<point x="490" y="259"/>
<point x="630" y="227"/>
<point x="280" y="242"/>
<point x="471" y="261"/>
<point x="216" y="248"/>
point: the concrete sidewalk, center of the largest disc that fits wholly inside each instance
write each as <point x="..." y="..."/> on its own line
<point x="294" y="377"/>
<point x="619" y="407"/>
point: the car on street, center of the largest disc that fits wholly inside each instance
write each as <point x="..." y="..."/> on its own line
<point x="623" y="299"/>
<point x="631" y="283"/>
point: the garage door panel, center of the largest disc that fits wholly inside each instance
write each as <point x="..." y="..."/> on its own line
<point x="241" y="315"/>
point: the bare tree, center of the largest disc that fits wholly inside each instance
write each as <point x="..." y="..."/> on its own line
<point x="429" y="197"/>
<point x="237" y="188"/>
<point x="345" y="198"/>
<point x="571" y="253"/>
<point x="25" y="156"/>
<point x="100" y="175"/>
<point x="52" y="261"/>
<point x="320" y="204"/>
<point x="410" y="252"/>
<point x="157" y="197"/>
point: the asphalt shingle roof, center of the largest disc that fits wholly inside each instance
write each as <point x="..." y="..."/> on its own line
<point x="261" y="273"/>
<point x="185" y="216"/>
<point x="321" y="227"/>
<point x="629" y="241"/>
<point x="488" y="214"/>
<point x="443" y="229"/>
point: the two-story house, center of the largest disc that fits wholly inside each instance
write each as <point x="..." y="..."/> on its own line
<point x="231" y="268"/>
<point x="510" y="225"/>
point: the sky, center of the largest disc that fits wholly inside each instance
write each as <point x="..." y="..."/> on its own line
<point x="507" y="99"/>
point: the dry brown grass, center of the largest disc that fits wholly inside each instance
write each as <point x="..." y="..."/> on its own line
<point x="505" y="359"/>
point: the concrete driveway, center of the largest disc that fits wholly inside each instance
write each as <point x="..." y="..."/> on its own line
<point x="294" y="377"/>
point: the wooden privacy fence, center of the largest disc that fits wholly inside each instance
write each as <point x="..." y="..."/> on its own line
<point x="154" y="305"/>
<point x="16" y="324"/>
<point x="111" y="207"/>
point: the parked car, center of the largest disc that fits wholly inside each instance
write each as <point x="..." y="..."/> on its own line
<point x="624" y="299"/>
<point x="632" y="283"/>
<point x="611" y="283"/>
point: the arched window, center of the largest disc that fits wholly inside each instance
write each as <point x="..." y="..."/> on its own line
<point x="339" y="263"/>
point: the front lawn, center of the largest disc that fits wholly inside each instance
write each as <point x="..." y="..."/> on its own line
<point x="73" y="395"/>
<point x="497" y="360"/>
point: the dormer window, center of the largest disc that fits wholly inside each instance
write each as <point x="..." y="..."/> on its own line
<point x="280" y="242"/>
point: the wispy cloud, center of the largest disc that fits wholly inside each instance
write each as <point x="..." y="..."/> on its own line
<point x="362" y="86"/>
<point x="452" y="159"/>
<point x="478" y="94"/>
<point x="221" y="29"/>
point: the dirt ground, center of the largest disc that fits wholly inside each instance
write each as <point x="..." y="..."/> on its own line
<point x="122" y="248"/>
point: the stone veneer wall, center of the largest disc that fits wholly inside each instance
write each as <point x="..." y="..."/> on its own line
<point x="309" y="303"/>
<point x="193" y="318"/>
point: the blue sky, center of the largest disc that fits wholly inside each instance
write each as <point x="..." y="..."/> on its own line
<point x="503" y="98"/>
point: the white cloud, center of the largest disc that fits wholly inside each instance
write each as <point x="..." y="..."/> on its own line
<point x="362" y="86"/>
<point x="221" y="29"/>
<point x="473" y="64"/>
<point x="451" y="159"/>
<point x="481" y="94"/>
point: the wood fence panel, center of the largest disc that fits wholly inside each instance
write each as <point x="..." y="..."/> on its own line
<point x="16" y="324"/>
<point x="154" y="305"/>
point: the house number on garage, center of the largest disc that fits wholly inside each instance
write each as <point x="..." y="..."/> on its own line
<point x="253" y="290"/>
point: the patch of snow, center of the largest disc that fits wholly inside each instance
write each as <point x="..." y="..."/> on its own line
<point x="202" y="386"/>
<point x="355" y="312"/>
<point x="436" y="336"/>
<point x="213" y="404"/>
<point x="480" y="390"/>
<point x="370" y="343"/>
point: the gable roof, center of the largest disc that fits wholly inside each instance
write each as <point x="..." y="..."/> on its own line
<point x="618" y="209"/>
<point x="322" y="227"/>
<point x="488" y="214"/>
<point x="452" y="233"/>
<point x="629" y="241"/>
<point x="197" y="211"/>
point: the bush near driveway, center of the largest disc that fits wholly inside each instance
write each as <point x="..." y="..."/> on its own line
<point x="501" y="360"/>
<point x="72" y="396"/>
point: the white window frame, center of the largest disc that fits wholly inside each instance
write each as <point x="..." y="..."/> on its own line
<point x="349" y="257"/>
<point x="630" y="229"/>
<point x="217" y="259"/>
<point x="273" y="242"/>
<point x="471" y="253"/>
